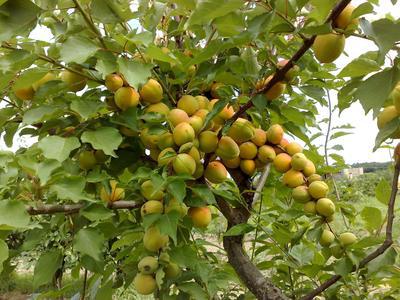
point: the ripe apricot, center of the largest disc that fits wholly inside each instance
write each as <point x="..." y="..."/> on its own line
<point x="151" y="207"/>
<point x="388" y="114"/>
<point x="153" y="240"/>
<point x="328" y="47"/>
<point x="214" y="89"/>
<point x="344" y="19"/>
<point x="260" y="137"/>
<point x="184" y="164"/>
<point x="25" y="93"/>
<point x="227" y="148"/>
<point x="266" y="154"/>
<point x="208" y="141"/>
<point x="282" y="162"/>
<point x="314" y="177"/>
<point x="318" y="189"/>
<point x="327" y="238"/>
<point x="203" y="102"/>
<point x="159" y="107"/>
<point x="309" y="208"/>
<point x="293" y="178"/>
<point x="175" y="205"/>
<point x="151" y="91"/>
<point x="300" y="194"/>
<point x="166" y="156"/>
<point x="200" y="216"/>
<point x="293" y="148"/>
<point x="189" y="104"/>
<point x="232" y="163"/>
<point x="126" y="97"/>
<point x="299" y="161"/>
<point x="275" y="91"/>
<point x="241" y="131"/>
<point x="275" y="134"/>
<point x="196" y="122"/>
<point x="309" y="169"/>
<point x="347" y="239"/>
<point x="46" y="78"/>
<point x="113" y="82"/>
<point x="166" y="140"/>
<point x="176" y="116"/>
<point x="325" y="207"/>
<point x="148" y="265"/>
<point x="75" y="82"/>
<point x="248" y="166"/>
<point x="248" y="150"/>
<point x="183" y="133"/>
<point x="215" y="172"/>
<point x="144" y="284"/>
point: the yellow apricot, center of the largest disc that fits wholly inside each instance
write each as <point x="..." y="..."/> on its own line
<point x="151" y="92"/>
<point x="215" y="172"/>
<point x="126" y="97"/>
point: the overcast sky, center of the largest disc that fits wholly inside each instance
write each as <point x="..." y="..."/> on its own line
<point x="357" y="146"/>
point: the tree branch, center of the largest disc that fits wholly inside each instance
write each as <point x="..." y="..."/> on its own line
<point x="380" y="250"/>
<point x="49" y="209"/>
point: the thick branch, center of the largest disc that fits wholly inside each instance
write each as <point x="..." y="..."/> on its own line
<point x="49" y="209"/>
<point x="379" y="251"/>
<point x="280" y="73"/>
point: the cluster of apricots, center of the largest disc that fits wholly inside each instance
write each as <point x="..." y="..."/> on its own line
<point x="391" y="112"/>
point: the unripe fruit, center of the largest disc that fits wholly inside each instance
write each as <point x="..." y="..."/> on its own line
<point x="160" y="108"/>
<point x="318" y="189"/>
<point x="275" y="134"/>
<point x="208" y="141"/>
<point x="248" y="150"/>
<point x="300" y="194"/>
<point x="241" y="131"/>
<point x="26" y="93"/>
<point x="337" y="251"/>
<point x="115" y="195"/>
<point x="175" y="205"/>
<point x="177" y="116"/>
<point x="149" y="191"/>
<point x="328" y="47"/>
<point x="46" y="78"/>
<point x="215" y="172"/>
<point x="227" y="148"/>
<point x="203" y="102"/>
<point x="87" y="160"/>
<point x="276" y="90"/>
<point x="188" y="104"/>
<point x="153" y="240"/>
<point x="166" y="140"/>
<point x="395" y="97"/>
<point x="164" y="258"/>
<point x="200" y="216"/>
<point x="126" y="97"/>
<point x="260" y="137"/>
<point x="266" y="154"/>
<point x="148" y="265"/>
<point x="113" y="82"/>
<point x="184" y="164"/>
<point x="327" y="238"/>
<point x="344" y="19"/>
<point x="310" y="207"/>
<point x="309" y="169"/>
<point x="148" y="139"/>
<point x="325" y="207"/>
<point x="100" y="156"/>
<point x="199" y="171"/>
<point x="293" y="148"/>
<point x="248" y="166"/>
<point x="192" y="151"/>
<point x="293" y="178"/>
<point x="314" y="177"/>
<point x="232" y="163"/>
<point x="347" y="239"/>
<point x="172" y="270"/>
<point x="299" y="161"/>
<point x="75" y="82"/>
<point x="196" y="122"/>
<point x="388" y="114"/>
<point x="282" y="162"/>
<point x="151" y="207"/>
<point x="151" y="92"/>
<point x="144" y="284"/>
<point x="183" y="133"/>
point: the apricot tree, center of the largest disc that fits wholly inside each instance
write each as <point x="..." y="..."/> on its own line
<point x="153" y="125"/>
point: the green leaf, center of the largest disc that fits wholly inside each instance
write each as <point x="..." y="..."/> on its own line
<point x="383" y="191"/>
<point x="38" y="114"/>
<point x="343" y="266"/>
<point x="134" y="72"/>
<point x="86" y="108"/>
<point x="372" y="217"/>
<point x="302" y="253"/>
<point x="388" y="258"/>
<point x="239" y="229"/>
<point x="230" y="24"/>
<point x="89" y="241"/>
<point x="58" y="148"/>
<point x="46" y="168"/>
<point x="3" y="253"/>
<point x="106" y="11"/>
<point x="373" y="91"/>
<point x="13" y="215"/>
<point x="168" y="224"/>
<point x="156" y="53"/>
<point x="106" y="63"/>
<point x="96" y="212"/>
<point x="105" y="138"/>
<point x="249" y="56"/>
<point x="17" y="17"/>
<point x="359" y="67"/>
<point x="46" y="267"/>
<point x="14" y="60"/>
<point x="29" y="77"/>
<point x="194" y="290"/>
<point x="177" y="188"/>
<point x="70" y="188"/>
<point x="203" y="192"/>
<point x="77" y="49"/>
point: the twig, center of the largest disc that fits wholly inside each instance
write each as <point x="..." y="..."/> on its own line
<point x="84" y="285"/>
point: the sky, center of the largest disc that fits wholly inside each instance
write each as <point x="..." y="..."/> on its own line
<point x="358" y="147"/>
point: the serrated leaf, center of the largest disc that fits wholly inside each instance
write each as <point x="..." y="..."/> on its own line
<point x="46" y="168"/>
<point x="46" y="267"/>
<point x="89" y="241"/>
<point x="96" y="212"/>
<point x="70" y="188"/>
<point x="106" y="11"/>
<point x="58" y="148"/>
<point x="302" y="253"/>
<point x="134" y="72"/>
<point x="13" y="215"/>
<point x="77" y="49"/>
<point x="86" y="108"/>
<point x="388" y="258"/>
<point x="372" y="217"/>
<point x="38" y="114"/>
<point x="239" y="229"/>
<point x="229" y="24"/>
<point x="168" y="224"/>
<point x="383" y="191"/>
<point x="104" y="138"/>
<point x="203" y="192"/>
<point x="177" y="189"/>
<point x="359" y="67"/>
<point x="343" y="266"/>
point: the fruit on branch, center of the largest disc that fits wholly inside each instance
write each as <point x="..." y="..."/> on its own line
<point x="197" y="123"/>
<point x="310" y="208"/>
<point x="248" y="166"/>
<point x="203" y="102"/>
<point x="208" y="141"/>
<point x="176" y="116"/>
<point x="327" y="238"/>
<point x="75" y="82"/>
<point x="226" y="113"/>
<point x="282" y="162"/>
<point x="189" y="104"/>
<point x="318" y="189"/>
<point x="300" y="194"/>
<point x="309" y="169"/>
<point x="337" y="251"/>
<point x="314" y="177"/>
<point x="215" y="172"/>
<point x="25" y="93"/>
<point x="275" y="91"/>
<point x="293" y="178"/>
<point x="159" y="108"/>
<point x="183" y="133"/>
<point x="266" y="154"/>
<point x="150" y="192"/>
<point x="100" y="156"/>
<point x="344" y="19"/>
<point x="248" y="150"/>
<point x="148" y="265"/>
<point x="126" y="97"/>
<point x="328" y="47"/>
<point x="275" y="134"/>
<point x="192" y="151"/>
<point x="149" y="139"/>
<point x="260" y="137"/>
<point x="153" y="240"/>
<point x="144" y="284"/>
<point x="87" y="160"/>
<point x="46" y="78"/>
<point x="291" y="73"/>
<point x="347" y="239"/>
<point x="293" y="148"/>
<point x="184" y="164"/>
<point x="200" y="216"/>
<point x="299" y="161"/>
<point x="166" y="156"/>
<point x="241" y="131"/>
<point x="151" y="207"/>
<point x="387" y="115"/>
<point x="166" y="140"/>
<point x="151" y="91"/>
<point x="214" y="89"/>
<point x="175" y="205"/>
<point x="325" y="207"/>
<point x="227" y="148"/>
<point x="232" y="163"/>
<point x="395" y="97"/>
<point x="113" y="82"/>
<point x="172" y="271"/>
<point x="115" y="194"/>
